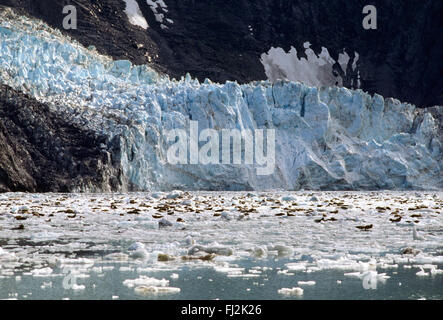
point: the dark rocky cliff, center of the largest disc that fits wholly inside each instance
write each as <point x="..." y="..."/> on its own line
<point x="40" y="151"/>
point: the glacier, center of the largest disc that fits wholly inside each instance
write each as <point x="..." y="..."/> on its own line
<point x="327" y="138"/>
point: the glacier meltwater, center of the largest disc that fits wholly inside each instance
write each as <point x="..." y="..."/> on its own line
<point x="325" y="138"/>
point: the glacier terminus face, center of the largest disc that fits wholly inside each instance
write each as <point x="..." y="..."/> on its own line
<point x="326" y="138"/>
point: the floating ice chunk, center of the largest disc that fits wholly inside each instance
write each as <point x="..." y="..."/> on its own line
<point x="422" y="273"/>
<point x="163" y="223"/>
<point x="117" y="256"/>
<point x="388" y="266"/>
<point x="225" y="251"/>
<point x="260" y="251"/>
<point x="108" y="268"/>
<point x="229" y="270"/>
<point x="174" y="276"/>
<point x="429" y="266"/>
<point x="226" y="215"/>
<point x="296" y="266"/>
<point x="285" y="272"/>
<point x="157" y="195"/>
<point x="43" y="272"/>
<point x="382" y="277"/>
<point x="306" y="283"/>
<point x="434" y="271"/>
<point x="97" y="269"/>
<point x="291" y="291"/>
<point x="125" y="269"/>
<point x="415" y="234"/>
<point x="23" y="208"/>
<point x="423" y="259"/>
<point x="254" y="271"/>
<point x="189" y="241"/>
<point x="45" y="236"/>
<point x="353" y="275"/>
<point x="140" y="254"/>
<point x="340" y="264"/>
<point x="145" y="281"/>
<point x="187" y="203"/>
<point x="7" y="256"/>
<point x="125" y="224"/>
<point x="251" y="195"/>
<point x="78" y="287"/>
<point x="136" y="246"/>
<point x="288" y="198"/>
<point x="174" y="194"/>
<point x="150" y="225"/>
<point x="68" y="261"/>
<point x="149" y="290"/>
<point x="282" y="250"/>
<point x="246" y="275"/>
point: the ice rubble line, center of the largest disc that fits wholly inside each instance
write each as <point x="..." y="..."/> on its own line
<point x="327" y="138"/>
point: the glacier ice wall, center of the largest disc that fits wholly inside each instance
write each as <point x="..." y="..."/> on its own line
<point x="326" y="138"/>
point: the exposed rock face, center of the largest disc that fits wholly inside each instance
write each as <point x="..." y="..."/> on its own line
<point x="40" y="151"/>
<point x="223" y="40"/>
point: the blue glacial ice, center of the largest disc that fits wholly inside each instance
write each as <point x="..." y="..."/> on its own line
<point x="326" y="138"/>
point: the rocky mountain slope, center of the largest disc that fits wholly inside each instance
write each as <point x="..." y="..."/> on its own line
<point x="225" y="40"/>
<point x="41" y="151"/>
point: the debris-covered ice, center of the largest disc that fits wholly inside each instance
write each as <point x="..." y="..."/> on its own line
<point x="298" y="243"/>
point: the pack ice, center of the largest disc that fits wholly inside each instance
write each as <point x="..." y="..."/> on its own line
<point x="326" y="138"/>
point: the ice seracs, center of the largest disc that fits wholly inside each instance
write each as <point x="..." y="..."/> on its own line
<point x="325" y="138"/>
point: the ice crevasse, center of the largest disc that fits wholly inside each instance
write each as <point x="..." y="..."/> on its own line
<point x="325" y="138"/>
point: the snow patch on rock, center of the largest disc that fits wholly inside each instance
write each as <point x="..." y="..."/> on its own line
<point x="314" y="70"/>
<point x="134" y="14"/>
